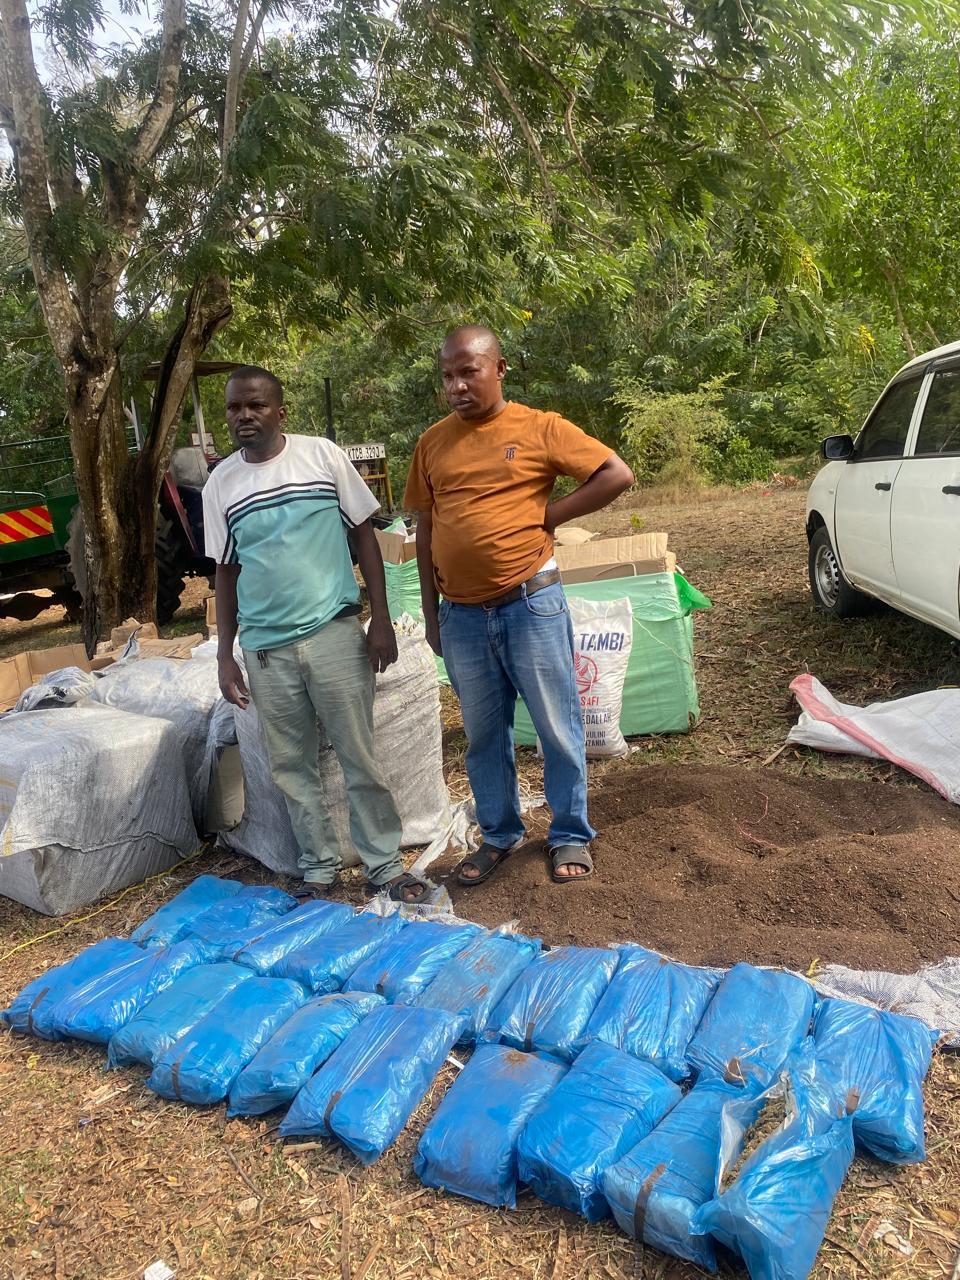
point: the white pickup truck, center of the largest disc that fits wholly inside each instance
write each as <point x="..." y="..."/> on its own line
<point x="883" y="516"/>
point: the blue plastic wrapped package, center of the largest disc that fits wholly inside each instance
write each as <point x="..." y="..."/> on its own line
<point x="655" y="1190"/>
<point x="652" y="1008"/>
<point x="884" y="1057"/>
<point x="29" y="1010"/>
<point x="752" y="1023"/>
<point x="97" y="1010"/>
<point x="202" y="1066"/>
<point x="295" y="1051"/>
<point x="401" y="969"/>
<point x="173" y="1013"/>
<point x="295" y="929"/>
<point x="229" y="925"/>
<point x="473" y="982"/>
<point x="775" y="1212"/>
<point x="470" y="1145"/>
<point x="604" y="1106"/>
<point x="170" y="923"/>
<point x="367" y="1090"/>
<point x="325" y="964"/>
<point x="550" y="1004"/>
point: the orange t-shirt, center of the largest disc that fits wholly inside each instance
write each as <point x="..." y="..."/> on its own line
<point x="487" y="485"/>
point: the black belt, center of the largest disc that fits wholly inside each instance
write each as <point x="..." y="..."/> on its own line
<point x="545" y="578"/>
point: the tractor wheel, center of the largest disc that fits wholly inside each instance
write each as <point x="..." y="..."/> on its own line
<point x="169" y="555"/>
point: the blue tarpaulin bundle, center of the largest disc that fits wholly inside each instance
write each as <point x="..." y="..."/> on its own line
<point x="550" y="1004"/>
<point x="227" y="926"/>
<point x="201" y="1067"/>
<point x="173" y="1013"/>
<point x="170" y="923"/>
<point x="750" y="1026"/>
<point x="404" y="966"/>
<point x="325" y="964"/>
<point x="97" y="1010"/>
<point x="655" y="1190"/>
<point x="295" y="929"/>
<point x="604" y="1106"/>
<point x="473" y="982"/>
<point x="295" y="1051"/>
<point x="29" y="1010"/>
<point x="884" y="1057"/>
<point x="470" y="1145"/>
<point x="366" y="1091"/>
<point x="652" y="1008"/>
<point x="775" y="1213"/>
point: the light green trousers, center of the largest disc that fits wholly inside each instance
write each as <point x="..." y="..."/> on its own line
<point x="324" y="685"/>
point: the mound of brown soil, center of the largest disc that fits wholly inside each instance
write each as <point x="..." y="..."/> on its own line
<point x="714" y="864"/>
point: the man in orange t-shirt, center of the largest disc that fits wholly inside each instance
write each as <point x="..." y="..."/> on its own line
<point x="481" y="481"/>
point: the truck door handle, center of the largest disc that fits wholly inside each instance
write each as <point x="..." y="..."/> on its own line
<point x="952" y="488"/>
<point x="886" y="485"/>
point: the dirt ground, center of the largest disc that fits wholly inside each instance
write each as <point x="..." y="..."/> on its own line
<point x="100" y="1178"/>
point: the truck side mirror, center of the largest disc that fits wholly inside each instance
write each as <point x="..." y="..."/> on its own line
<point x="836" y="448"/>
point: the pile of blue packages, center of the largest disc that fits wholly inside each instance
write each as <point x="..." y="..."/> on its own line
<point x="473" y="982"/>
<point x="294" y="1052"/>
<point x="470" y="1145"/>
<point x="606" y="1103"/>
<point x="170" y="923"/>
<point x="652" y="1008"/>
<point x="202" y="1066"/>
<point x="367" y="1090"/>
<point x="325" y="964"/>
<point x="754" y="1020"/>
<point x="406" y="964"/>
<point x="550" y="1004"/>
<point x="29" y="1011"/>
<point x="168" y="1017"/>
<point x="655" y="1190"/>
<point x="304" y="924"/>
<point x="883" y="1059"/>
<point x="98" y="1009"/>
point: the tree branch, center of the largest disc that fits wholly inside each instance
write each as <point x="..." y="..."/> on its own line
<point x="160" y="112"/>
<point x="234" y="76"/>
<point x="23" y="92"/>
<point x="251" y="45"/>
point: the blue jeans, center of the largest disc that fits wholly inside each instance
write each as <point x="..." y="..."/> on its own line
<point x="492" y="655"/>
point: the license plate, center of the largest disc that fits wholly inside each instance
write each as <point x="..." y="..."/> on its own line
<point x="365" y="452"/>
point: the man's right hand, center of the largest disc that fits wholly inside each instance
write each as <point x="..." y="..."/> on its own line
<point x="231" y="682"/>
<point x="433" y="636"/>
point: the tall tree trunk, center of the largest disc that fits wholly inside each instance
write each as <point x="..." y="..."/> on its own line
<point x="890" y="275"/>
<point x="118" y="488"/>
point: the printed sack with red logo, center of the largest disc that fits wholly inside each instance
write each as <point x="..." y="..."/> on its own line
<point x="602" y="639"/>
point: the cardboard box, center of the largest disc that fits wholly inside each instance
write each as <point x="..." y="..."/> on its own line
<point x="120" y="635"/>
<point x="624" y="557"/>
<point x="395" y="548"/>
<point x="211" y="619"/>
<point x="24" y="669"/>
<point x="571" y="535"/>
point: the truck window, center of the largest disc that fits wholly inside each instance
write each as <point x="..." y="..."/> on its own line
<point x="940" y="425"/>
<point x="884" y="435"/>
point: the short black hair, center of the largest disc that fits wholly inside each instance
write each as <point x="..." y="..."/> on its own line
<point x="250" y="371"/>
<point x="478" y="333"/>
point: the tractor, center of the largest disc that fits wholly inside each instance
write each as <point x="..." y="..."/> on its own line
<point x="40" y="521"/>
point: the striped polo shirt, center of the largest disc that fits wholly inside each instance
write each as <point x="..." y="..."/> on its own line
<point x="284" y="522"/>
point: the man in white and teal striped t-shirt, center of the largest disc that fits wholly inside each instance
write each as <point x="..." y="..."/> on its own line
<point x="276" y="516"/>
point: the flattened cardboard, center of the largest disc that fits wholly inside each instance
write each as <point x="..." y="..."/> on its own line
<point x="211" y="619"/>
<point x="395" y="548"/>
<point x="25" y="669"/>
<point x="571" y="535"/>
<point x="597" y="560"/>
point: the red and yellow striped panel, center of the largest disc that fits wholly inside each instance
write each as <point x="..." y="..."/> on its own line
<point x="28" y="522"/>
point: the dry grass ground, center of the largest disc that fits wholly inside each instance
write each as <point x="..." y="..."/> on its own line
<point x="99" y="1178"/>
